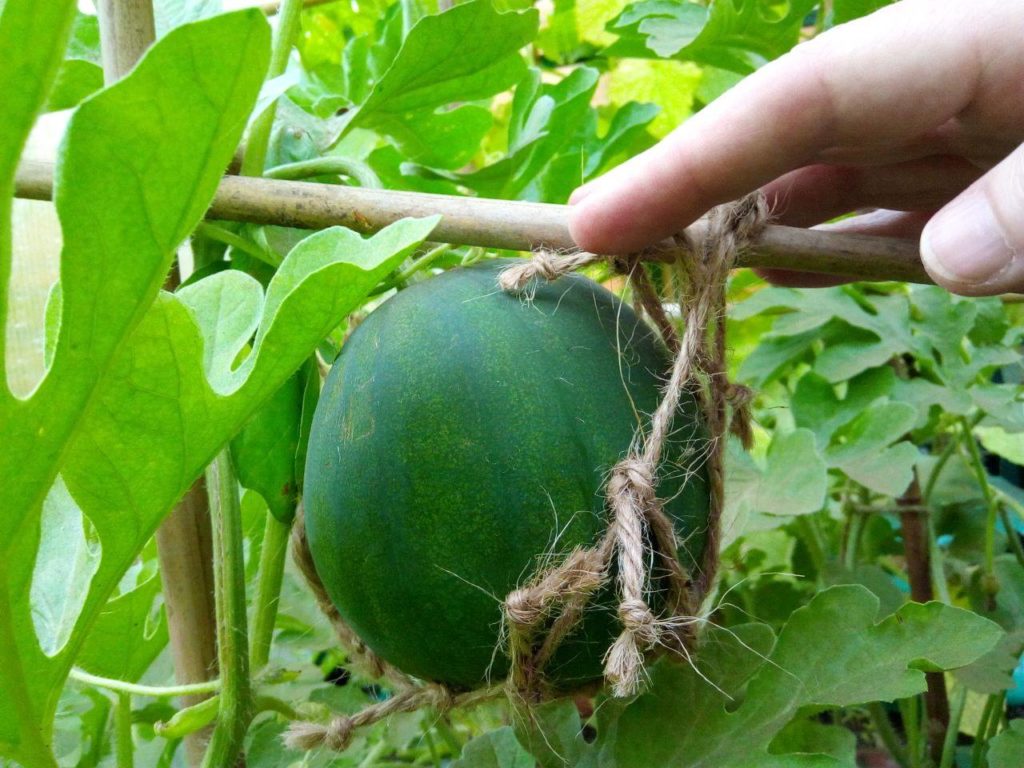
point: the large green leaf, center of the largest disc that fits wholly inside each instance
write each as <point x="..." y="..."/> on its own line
<point x="817" y="407"/>
<point x="129" y="632"/>
<point x="32" y="42"/>
<point x="738" y="35"/>
<point x="1007" y="749"/>
<point x="269" y="453"/>
<point x="81" y="73"/>
<point x="865" y="449"/>
<point x="495" y="749"/>
<point x="131" y="183"/>
<point x="467" y="53"/>
<point x="792" y="480"/>
<point x="142" y="393"/>
<point x="729" y="710"/>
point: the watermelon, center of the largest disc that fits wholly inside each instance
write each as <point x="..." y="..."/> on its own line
<point x="461" y="442"/>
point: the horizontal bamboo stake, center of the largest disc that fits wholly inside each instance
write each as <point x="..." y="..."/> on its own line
<point x="512" y="225"/>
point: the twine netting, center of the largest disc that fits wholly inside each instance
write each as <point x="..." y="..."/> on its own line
<point x="541" y="614"/>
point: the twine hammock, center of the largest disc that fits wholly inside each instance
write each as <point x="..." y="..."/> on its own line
<point x="539" y="615"/>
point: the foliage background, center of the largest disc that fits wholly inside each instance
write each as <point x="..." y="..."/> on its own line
<point x="861" y="390"/>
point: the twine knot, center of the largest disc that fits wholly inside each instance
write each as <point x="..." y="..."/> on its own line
<point x="739" y="399"/>
<point x="631" y="475"/>
<point x="639" y="620"/>
<point x="336" y="735"/>
<point x="545" y="265"/>
<point x="441" y="698"/>
<point x="522" y="609"/>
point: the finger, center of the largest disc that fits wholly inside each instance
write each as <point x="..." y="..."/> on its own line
<point x="903" y="224"/>
<point x="821" y="192"/>
<point x="868" y="84"/>
<point x="975" y="244"/>
<point x="877" y="223"/>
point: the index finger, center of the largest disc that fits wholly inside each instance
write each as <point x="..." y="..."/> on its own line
<point x="874" y="88"/>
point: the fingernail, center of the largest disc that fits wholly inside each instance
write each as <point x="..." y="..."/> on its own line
<point x="580" y="193"/>
<point x="964" y="242"/>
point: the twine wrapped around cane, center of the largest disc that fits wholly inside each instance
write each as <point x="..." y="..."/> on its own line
<point x="539" y="615"/>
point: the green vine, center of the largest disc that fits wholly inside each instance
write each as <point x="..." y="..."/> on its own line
<point x="235" y="706"/>
<point x="273" y="554"/>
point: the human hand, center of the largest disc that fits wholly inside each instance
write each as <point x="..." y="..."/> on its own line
<point x="915" y="109"/>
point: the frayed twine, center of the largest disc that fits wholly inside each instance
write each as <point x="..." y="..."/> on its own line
<point x="640" y="533"/>
<point x="540" y="615"/>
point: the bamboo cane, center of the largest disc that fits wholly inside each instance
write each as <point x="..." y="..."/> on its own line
<point x="513" y="225"/>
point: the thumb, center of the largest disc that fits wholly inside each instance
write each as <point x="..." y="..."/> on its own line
<point x="975" y="244"/>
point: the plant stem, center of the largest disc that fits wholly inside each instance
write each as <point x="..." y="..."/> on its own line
<point x="289" y="22"/>
<point x="914" y="522"/>
<point x="974" y="457"/>
<point x="235" y="711"/>
<point x="853" y="535"/>
<point x="1011" y="532"/>
<point x="374" y="754"/>
<point x="123" y="721"/>
<point x="446" y="732"/>
<point x="1011" y="502"/>
<point x="888" y="735"/>
<point x="813" y="541"/>
<point x="996" y="720"/>
<point x="949" y="745"/>
<point x="274" y="704"/>
<point x="992" y="704"/>
<point x="268" y="590"/>
<point x="935" y="561"/>
<point x="153" y="691"/>
<point x="936" y="472"/>
<point x="226" y="236"/>
<point x="910" y="713"/>
<point x="331" y="165"/>
<point x="420" y="264"/>
<point x="427" y="737"/>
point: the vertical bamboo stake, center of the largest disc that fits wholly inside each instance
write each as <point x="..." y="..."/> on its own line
<point x="183" y="541"/>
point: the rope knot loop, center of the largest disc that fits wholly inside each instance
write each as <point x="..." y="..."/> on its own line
<point x="521" y="609"/>
<point x="631" y="475"/>
<point x="336" y="734"/>
<point x="441" y="698"/>
<point x="639" y="620"/>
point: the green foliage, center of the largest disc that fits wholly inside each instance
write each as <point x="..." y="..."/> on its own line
<point x="81" y="74"/>
<point x="466" y="54"/>
<point x="860" y="389"/>
<point x="830" y="653"/>
<point x="1007" y="747"/>
<point x="737" y="35"/>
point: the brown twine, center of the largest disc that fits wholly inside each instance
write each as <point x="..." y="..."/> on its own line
<point x="360" y="655"/>
<point x="541" y="614"/>
<point x="640" y="532"/>
<point x="338" y="732"/>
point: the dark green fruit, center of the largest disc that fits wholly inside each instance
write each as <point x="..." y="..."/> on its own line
<point x="462" y="438"/>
